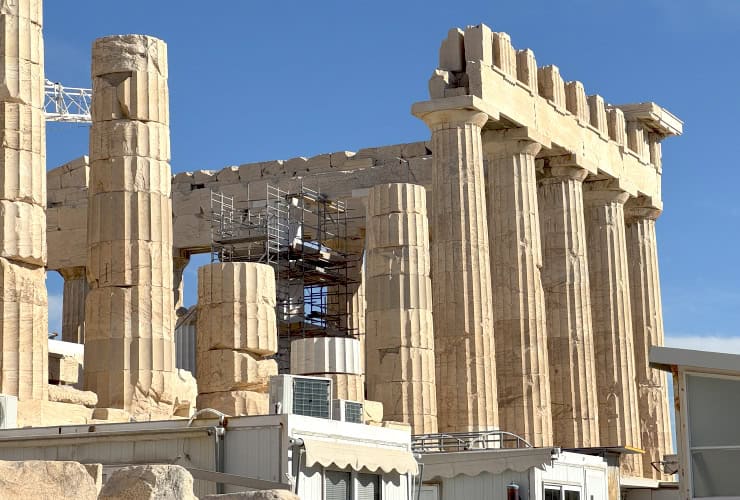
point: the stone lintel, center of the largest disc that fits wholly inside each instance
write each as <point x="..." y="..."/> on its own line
<point x="495" y="138"/>
<point x="518" y="106"/>
<point x="657" y="119"/>
<point x="423" y="110"/>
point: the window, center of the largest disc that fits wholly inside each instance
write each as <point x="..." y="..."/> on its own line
<point x="714" y="436"/>
<point x="368" y="487"/>
<point x="552" y="493"/>
<point x="559" y="492"/>
<point x="344" y="485"/>
<point x="338" y="485"/>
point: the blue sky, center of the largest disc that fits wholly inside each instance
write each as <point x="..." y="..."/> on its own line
<point x="252" y="81"/>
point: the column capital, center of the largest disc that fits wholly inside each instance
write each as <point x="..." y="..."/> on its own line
<point x="458" y="110"/>
<point x="72" y="273"/>
<point x="512" y="141"/>
<point x="179" y="262"/>
<point x="604" y="191"/>
<point x="445" y="118"/>
<point x="562" y="168"/>
<point x="642" y="207"/>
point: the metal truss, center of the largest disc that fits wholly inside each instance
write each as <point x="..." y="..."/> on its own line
<point x="67" y="104"/>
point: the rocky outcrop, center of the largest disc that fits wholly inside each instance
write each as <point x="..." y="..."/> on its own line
<point x="143" y="482"/>
<point x="38" y="479"/>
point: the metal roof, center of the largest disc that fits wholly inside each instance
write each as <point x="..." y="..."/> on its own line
<point x="664" y="358"/>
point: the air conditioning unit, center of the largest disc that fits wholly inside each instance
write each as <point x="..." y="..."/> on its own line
<point x="8" y="412"/>
<point x="309" y="396"/>
<point x="347" y="411"/>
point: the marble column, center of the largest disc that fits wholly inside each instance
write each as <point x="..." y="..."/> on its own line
<point x="568" y="303"/>
<point x="23" y="301"/>
<point x="461" y="276"/>
<point x="400" y="332"/>
<point x="178" y="284"/>
<point x="73" y="304"/>
<point x="612" y="320"/>
<point x="647" y="325"/>
<point x="522" y="365"/>
<point x="237" y="335"/>
<point x="130" y="315"/>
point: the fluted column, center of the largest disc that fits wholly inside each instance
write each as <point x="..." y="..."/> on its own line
<point x="647" y="325"/>
<point x="522" y="365"/>
<point x="178" y="285"/>
<point x="23" y="301"/>
<point x="461" y="276"/>
<point x="568" y="302"/>
<point x="73" y="304"/>
<point x="130" y="316"/>
<point x="612" y="320"/>
<point x="236" y="337"/>
<point x="400" y="332"/>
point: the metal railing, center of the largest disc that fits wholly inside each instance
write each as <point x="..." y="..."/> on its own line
<point x="467" y="441"/>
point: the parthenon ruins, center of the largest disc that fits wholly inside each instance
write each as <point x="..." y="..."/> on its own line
<point x="501" y="275"/>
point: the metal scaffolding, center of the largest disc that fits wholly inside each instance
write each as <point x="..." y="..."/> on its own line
<point x="303" y="236"/>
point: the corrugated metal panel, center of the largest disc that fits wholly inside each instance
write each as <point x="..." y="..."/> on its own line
<point x="310" y="483"/>
<point x="395" y="487"/>
<point x="189" y="448"/>
<point x="485" y="485"/>
<point x="255" y="452"/>
<point x="185" y="334"/>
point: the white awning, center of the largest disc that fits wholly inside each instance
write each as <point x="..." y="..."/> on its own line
<point x="494" y="461"/>
<point x="359" y="456"/>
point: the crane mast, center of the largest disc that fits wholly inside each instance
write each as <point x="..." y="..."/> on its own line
<point x="67" y="104"/>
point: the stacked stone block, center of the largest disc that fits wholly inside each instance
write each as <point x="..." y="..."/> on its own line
<point x="129" y="346"/>
<point x="399" y="343"/>
<point x="236" y="331"/>
<point x="23" y="304"/>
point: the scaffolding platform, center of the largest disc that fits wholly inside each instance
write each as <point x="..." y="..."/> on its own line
<point x="303" y="236"/>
